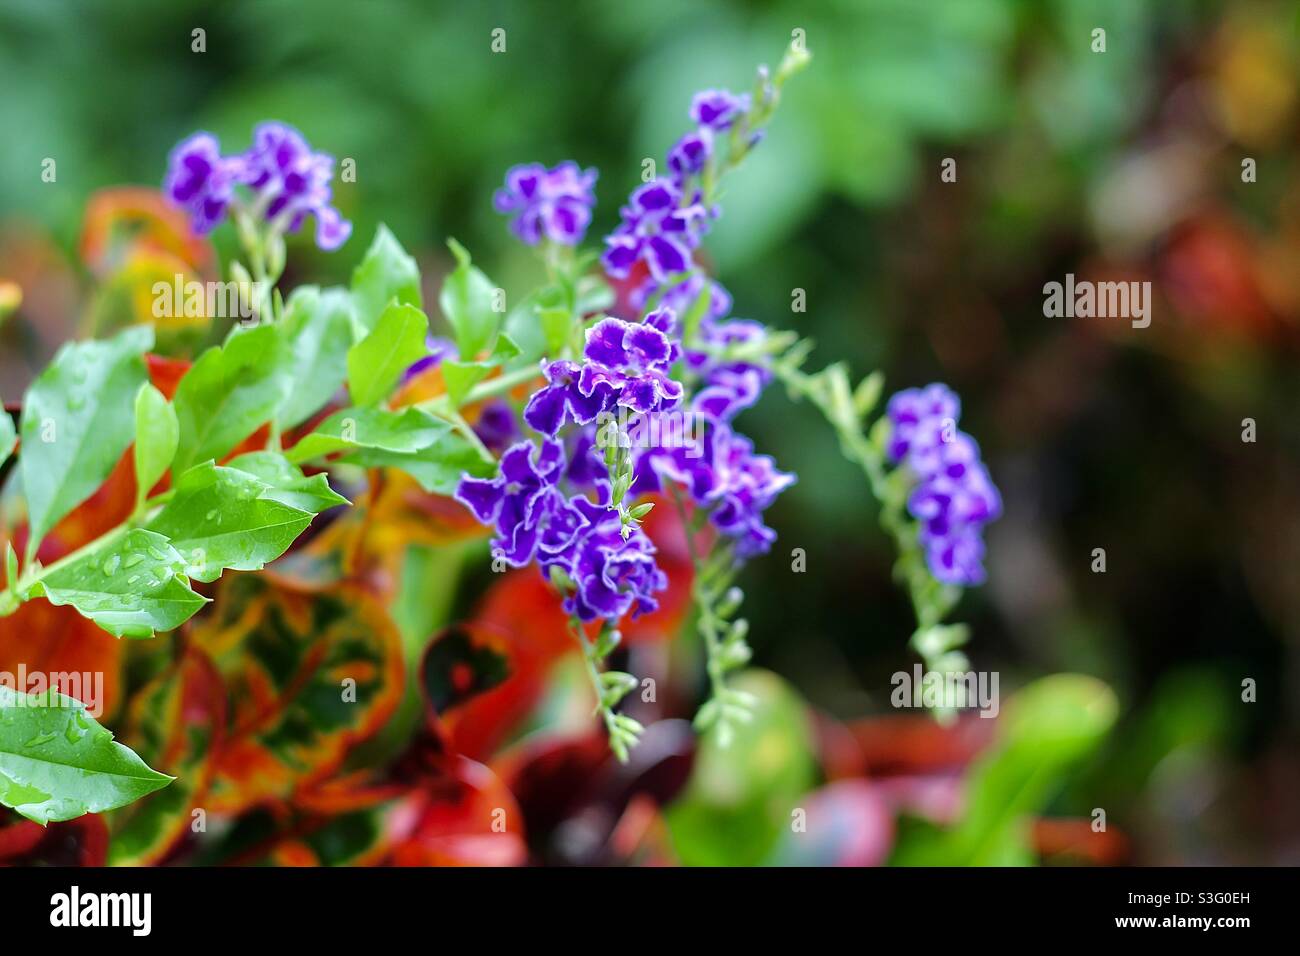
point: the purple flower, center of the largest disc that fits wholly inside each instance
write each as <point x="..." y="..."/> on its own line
<point x="563" y="393"/>
<point x="201" y="181"/>
<point x="657" y="227"/>
<point x="535" y="520"/>
<point x="612" y="575"/>
<point x="727" y="387"/>
<point x="293" y="182"/>
<point x="919" y="417"/>
<point x="523" y="502"/>
<point x="954" y="496"/>
<point x="691" y="152"/>
<point x="289" y="180"/>
<point x="725" y="477"/>
<point x="682" y="297"/>
<point x="586" y="469"/>
<point x="626" y="363"/>
<point x="718" y="109"/>
<point x="632" y="360"/>
<point x="555" y="203"/>
<point x="439" y="349"/>
<point x="496" y="426"/>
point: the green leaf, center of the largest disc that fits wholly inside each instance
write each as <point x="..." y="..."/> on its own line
<point x="8" y="437"/>
<point x="156" y="435"/>
<point x="229" y="393"/>
<point x="351" y="429"/>
<point x="738" y="800"/>
<point x="466" y="303"/>
<point x="460" y="377"/>
<point x="11" y="565"/>
<point x="541" y="324"/>
<point x="438" y="467"/>
<point x="57" y="762"/>
<point x="318" y="327"/>
<point x="219" y="519"/>
<point x="77" y="421"/>
<point x="286" y="482"/>
<point x="378" y="361"/>
<point x="386" y="273"/>
<point x="1046" y="728"/>
<point x="132" y="588"/>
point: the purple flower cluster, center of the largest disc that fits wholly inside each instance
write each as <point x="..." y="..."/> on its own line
<point x="202" y="181"/>
<point x="727" y="387"/>
<point x="662" y="226"/>
<point x="553" y="203"/>
<point x="535" y="519"/>
<point x="665" y="220"/>
<point x="723" y="476"/>
<point x="555" y="503"/>
<point x="718" y="109"/>
<point x="289" y="180"/>
<point x="626" y="364"/>
<point x="954" y="497"/>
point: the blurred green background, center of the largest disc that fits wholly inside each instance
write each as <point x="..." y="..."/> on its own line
<point x="1122" y="164"/>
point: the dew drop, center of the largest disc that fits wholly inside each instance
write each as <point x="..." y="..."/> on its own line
<point x="110" y="565"/>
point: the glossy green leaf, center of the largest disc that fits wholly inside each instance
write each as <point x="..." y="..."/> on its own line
<point x="466" y="303"/>
<point x="78" y="419"/>
<point x="230" y="392"/>
<point x="460" y="377"/>
<point x="386" y="273"/>
<point x="57" y="762"/>
<point x="351" y="429"/>
<point x="377" y="362"/>
<point x="219" y="520"/>
<point x="318" y="328"/>
<point x="286" y="482"/>
<point x="156" y="435"/>
<point x="540" y="324"/>
<point x="132" y="588"/>
<point x="438" y="467"/>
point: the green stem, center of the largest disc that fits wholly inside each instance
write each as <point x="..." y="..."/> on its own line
<point x="502" y="383"/>
<point x="706" y="621"/>
<point x="31" y="575"/>
<point x="620" y="730"/>
<point x="930" y="606"/>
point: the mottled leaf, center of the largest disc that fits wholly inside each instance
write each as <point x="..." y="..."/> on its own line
<point x="175" y="723"/>
<point x="310" y="672"/>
